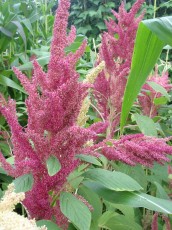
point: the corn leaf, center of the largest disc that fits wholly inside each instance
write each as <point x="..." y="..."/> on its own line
<point x="152" y="36"/>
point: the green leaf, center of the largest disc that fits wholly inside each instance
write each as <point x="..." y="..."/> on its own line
<point x="84" y="29"/>
<point x="112" y="220"/>
<point x="40" y="53"/>
<point x="101" y="25"/>
<point x="49" y="224"/>
<point x="93" y="199"/>
<point x="6" y="32"/>
<point x="1" y="193"/>
<point x="92" y="13"/>
<point x="71" y="227"/>
<point x="113" y="180"/>
<point x="10" y="160"/>
<point x="133" y="199"/>
<point x="105" y="218"/>
<point x="75" y="210"/>
<point x="28" y="25"/>
<point x="146" y="125"/>
<point x="76" y="44"/>
<point x="151" y="37"/>
<point x="89" y="159"/>
<point x="158" y="88"/>
<point x="160" y="101"/>
<point x="160" y="172"/>
<point x="20" y="31"/>
<point x="161" y="192"/>
<point x="53" y="165"/>
<point x="162" y="27"/>
<point x="126" y="210"/>
<point x="10" y="83"/>
<point x="23" y="183"/>
<point x="170" y="176"/>
<point x="136" y="172"/>
<point x="110" y="4"/>
<point x="2" y="171"/>
<point x="28" y="66"/>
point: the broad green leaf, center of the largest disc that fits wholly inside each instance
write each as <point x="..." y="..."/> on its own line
<point x="75" y="178"/>
<point x="113" y="180"/>
<point x="146" y="125"/>
<point x="161" y="192"/>
<point x="10" y="160"/>
<point x="93" y="199"/>
<point x="40" y="53"/>
<point x="53" y="165"/>
<point x="75" y="182"/>
<point x="10" y="83"/>
<point x="103" y="220"/>
<point x="151" y="37"/>
<point x="133" y="199"/>
<point x="136" y="172"/>
<point x="89" y="159"/>
<point x="28" y="66"/>
<point x="158" y="88"/>
<point x="76" y="44"/>
<point x="23" y="183"/>
<point x="6" y="32"/>
<point x="160" y="101"/>
<point x="101" y="25"/>
<point x="160" y="172"/>
<point x="112" y="220"/>
<point x="94" y="225"/>
<point x="49" y="224"/>
<point x="28" y="25"/>
<point x="125" y="209"/>
<point x="92" y="13"/>
<point x="78" y="172"/>
<point x="120" y="222"/>
<point x="75" y="210"/>
<point x="84" y="29"/>
<point x="162" y="27"/>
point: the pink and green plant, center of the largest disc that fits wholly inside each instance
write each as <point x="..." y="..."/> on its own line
<point x="116" y="50"/>
<point x="149" y="95"/>
<point x="53" y="105"/>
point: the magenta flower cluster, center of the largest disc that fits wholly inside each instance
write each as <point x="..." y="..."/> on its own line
<point x="53" y="104"/>
<point x="116" y="50"/>
<point x="149" y="95"/>
<point x="134" y="148"/>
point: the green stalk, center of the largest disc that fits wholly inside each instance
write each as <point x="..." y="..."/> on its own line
<point x="10" y="49"/>
<point x="23" y="211"/>
<point x="46" y="21"/>
<point x="155" y="9"/>
<point x="166" y="60"/>
<point x="167" y="56"/>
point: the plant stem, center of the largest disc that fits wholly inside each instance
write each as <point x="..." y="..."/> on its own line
<point x="166" y="60"/>
<point x="155" y="8"/>
<point x="98" y="112"/>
